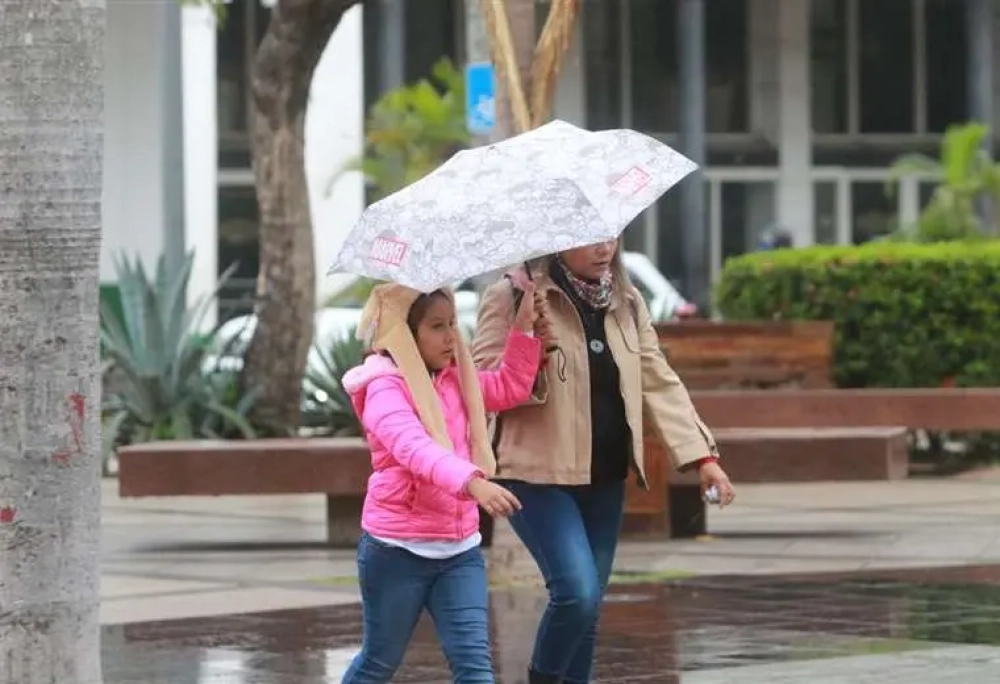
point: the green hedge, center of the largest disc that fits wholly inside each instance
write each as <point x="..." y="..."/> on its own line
<point x="906" y="315"/>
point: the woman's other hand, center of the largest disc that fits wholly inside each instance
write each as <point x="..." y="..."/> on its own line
<point x="711" y="474"/>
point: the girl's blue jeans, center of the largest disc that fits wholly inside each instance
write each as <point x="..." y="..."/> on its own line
<point x="396" y="586"/>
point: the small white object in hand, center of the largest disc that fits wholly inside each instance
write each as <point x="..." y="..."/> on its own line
<point x="712" y="495"/>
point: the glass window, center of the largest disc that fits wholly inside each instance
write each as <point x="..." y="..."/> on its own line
<point x="747" y="212"/>
<point x="431" y="34"/>
<point x="885" y="30"/>
<point x="947" y="64"/>
<point x="825" y="212"/>
<point x="828" y="38"/>
<point x="634" y="235"/>
<point x="656" y="65"/>
<point x="926" y="190"/>
<point x="728" y="56"/>
<point x="653" y="45"/>
<point x="670" y="237"/>
<point x="230" y="47"/>
<point x="245" y="25"/>
<point x="603" y="63"/>
<point x="873" y="211"/>
<point x="670" y="229"/>
<point x="239" y="243"/>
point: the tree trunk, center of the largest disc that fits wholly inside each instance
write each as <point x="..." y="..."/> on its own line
<point x="286" y="287"/>
<point x="51" y="119"/>
<point x="509" y="560"/>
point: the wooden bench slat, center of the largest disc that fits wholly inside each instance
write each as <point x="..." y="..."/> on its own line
<point x="931" y="409"/>
<point x="814" y="455"/>
<point x="266" y="466"/>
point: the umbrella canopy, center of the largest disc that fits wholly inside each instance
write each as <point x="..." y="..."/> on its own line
<point x="551" y="189"/>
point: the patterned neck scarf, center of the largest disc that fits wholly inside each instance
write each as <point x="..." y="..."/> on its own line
<point x="596" y="294"/>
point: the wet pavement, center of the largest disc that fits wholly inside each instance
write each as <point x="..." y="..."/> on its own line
<point x="914" y="626"/>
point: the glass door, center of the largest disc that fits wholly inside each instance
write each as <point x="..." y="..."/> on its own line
<point x="742" y="208"/>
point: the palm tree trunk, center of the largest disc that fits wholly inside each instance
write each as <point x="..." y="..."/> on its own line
<point x="525" y="102"/>
<point x="286" y="288"/>
<point x="509" y="560"/>
<point x="51" y="119"/>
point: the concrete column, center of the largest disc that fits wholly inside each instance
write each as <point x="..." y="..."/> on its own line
<point x="173" y="136"/>
<point x="691" y="43"/>
<point x="982" y="20"/>
<point x="391" y="44"/>
<point x="201" y="151"/>
<point x="795" y="189"/>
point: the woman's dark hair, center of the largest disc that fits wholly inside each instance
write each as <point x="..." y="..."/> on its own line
<point x="419" y="309"/>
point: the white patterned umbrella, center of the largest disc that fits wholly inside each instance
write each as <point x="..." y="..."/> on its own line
<point x="551" y="189"/>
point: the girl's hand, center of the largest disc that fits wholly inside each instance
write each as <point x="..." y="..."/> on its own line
<point x="543" y="324"/>
<point x="494" y="499"/>
<point x="711" y="473"/>
<point x="525" y="318"/>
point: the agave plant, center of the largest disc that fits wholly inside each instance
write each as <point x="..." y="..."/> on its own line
<point x="327" y="407"/>
<point x="151" y="342"/>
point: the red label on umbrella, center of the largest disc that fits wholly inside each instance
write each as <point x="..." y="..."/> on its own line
<point x="388" y="251"/>
<point x="631" y="182"/>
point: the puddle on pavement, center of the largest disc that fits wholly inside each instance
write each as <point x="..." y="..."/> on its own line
<point x="649" y="632"/>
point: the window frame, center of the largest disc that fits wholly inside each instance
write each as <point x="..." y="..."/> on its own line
<point x="921" y="90"/>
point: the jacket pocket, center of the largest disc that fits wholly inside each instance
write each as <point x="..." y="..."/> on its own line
<point x="428" y="498"/>
<point x="392" y="490"/>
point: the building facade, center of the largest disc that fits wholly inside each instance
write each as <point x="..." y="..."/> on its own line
<point x="177" y="173"/>
<point x="806" y="105"/>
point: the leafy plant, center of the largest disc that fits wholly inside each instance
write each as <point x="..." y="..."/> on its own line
<point x="354" y="295"/>
<point x="967" y="174"/>
<point x="166" y="388"/>
<point x="412" y="130"/>
<point x="328" y="406"/>
<point x="906" y="315"/>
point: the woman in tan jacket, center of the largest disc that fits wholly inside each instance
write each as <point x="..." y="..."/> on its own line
<point x="567" y="453"/>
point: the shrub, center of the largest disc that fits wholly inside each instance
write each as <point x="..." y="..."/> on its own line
<point x="907" y="315"/>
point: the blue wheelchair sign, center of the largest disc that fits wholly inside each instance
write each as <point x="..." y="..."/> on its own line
<point x="480" y="98"/>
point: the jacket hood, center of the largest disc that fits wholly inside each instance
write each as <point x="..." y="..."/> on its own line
<point x="357" y="379"/>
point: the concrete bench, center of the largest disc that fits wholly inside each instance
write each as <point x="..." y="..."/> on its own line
<point x="337" y="467"/>
<point x="814" y="454"/>
<point x="807" y="435"/>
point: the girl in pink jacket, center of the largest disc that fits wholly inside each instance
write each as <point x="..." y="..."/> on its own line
<point x="423" y="406"/>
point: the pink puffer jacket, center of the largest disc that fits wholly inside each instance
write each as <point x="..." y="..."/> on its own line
<point x="417" y="489"/>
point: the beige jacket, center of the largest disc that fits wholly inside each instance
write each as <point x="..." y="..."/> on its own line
<point x="548" y="440"/>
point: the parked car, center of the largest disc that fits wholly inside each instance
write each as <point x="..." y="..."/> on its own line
<point x="333" y="323"/>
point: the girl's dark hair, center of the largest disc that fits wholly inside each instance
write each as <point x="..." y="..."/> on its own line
<point x="419" y="309"/>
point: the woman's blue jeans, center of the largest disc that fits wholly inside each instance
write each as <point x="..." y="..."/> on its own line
<point x="572" y="532"/>
<point x="396" y="586"/>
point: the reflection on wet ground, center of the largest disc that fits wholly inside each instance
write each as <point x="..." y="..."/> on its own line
<point x="918" y="626"/>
